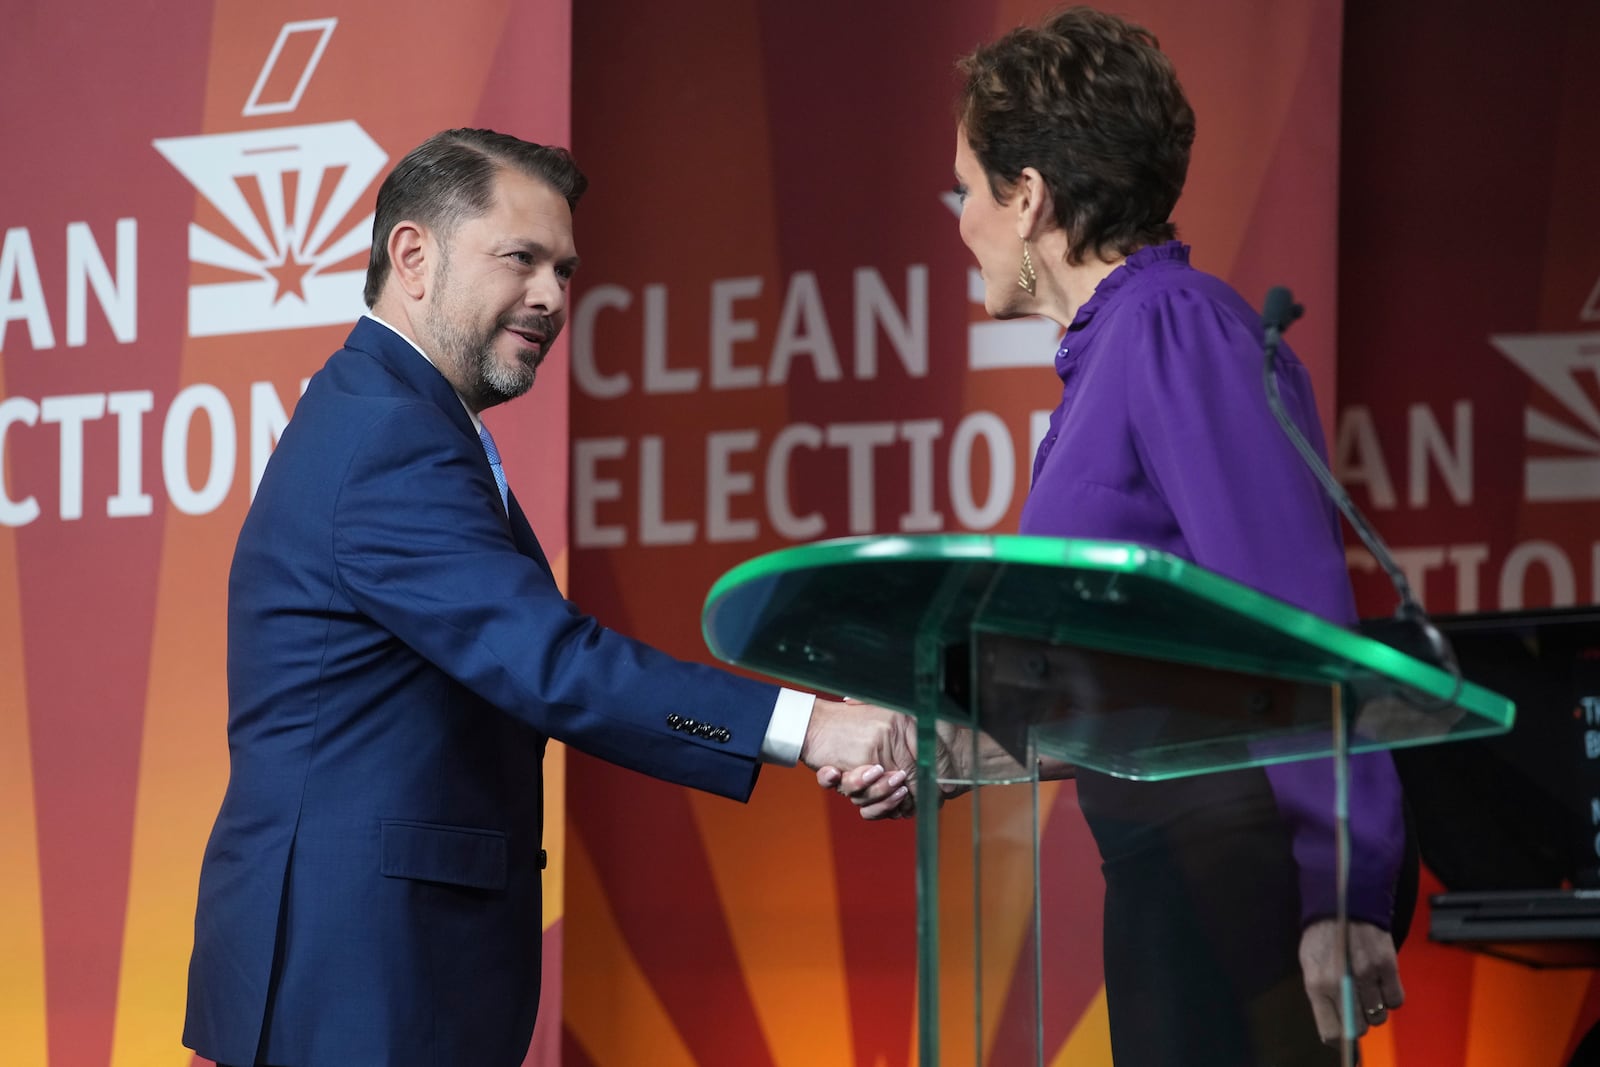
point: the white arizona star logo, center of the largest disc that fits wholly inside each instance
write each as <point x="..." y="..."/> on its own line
<point x="1560" y="362"/>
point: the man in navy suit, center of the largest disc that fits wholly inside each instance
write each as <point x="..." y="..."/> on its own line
<point x="398" y="652"/>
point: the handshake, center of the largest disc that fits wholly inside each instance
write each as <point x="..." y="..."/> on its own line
<point x="869" y="755"/>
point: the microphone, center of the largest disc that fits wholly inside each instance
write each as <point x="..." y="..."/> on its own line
<point x="1278" y="311"/>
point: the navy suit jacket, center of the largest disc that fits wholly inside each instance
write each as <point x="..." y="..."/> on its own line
<point x="398" y="653"/>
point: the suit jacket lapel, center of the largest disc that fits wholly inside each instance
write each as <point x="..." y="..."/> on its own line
<point x="396" y="355"/>
<point x="404" y="362"/>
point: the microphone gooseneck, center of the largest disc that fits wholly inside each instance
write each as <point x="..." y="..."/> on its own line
<point x="1277" y="312"/>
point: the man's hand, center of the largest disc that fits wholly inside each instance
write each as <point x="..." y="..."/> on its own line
<point x="963" y="759"/>
<point x="863" y="785"/>
<point x="1373" y="966"/>
<point x="879" y="748"/>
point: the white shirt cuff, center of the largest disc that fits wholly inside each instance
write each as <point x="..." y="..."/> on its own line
<point x="791" y="715"/>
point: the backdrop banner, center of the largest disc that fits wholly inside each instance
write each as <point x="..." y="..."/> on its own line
<point x="1469" y="390"/>
<point x="779" y="338"/>
<point x="186" y="213"/>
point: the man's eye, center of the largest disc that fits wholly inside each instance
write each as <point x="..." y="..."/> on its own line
<point x="961" y="192"/>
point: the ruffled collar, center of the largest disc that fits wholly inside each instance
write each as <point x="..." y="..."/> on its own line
<point x="1142" y="260"/>
<point x="1170" y="252"/>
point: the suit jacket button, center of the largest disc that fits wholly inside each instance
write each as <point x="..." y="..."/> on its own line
<point x="544" y="859"/>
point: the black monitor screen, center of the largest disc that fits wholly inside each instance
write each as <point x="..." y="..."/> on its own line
<point x="1520" y="811"/>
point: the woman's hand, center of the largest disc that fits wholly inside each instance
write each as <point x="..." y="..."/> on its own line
<point x="1373" y="967"/>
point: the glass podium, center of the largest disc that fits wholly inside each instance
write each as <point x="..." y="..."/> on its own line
<point x="1100" y="655"/>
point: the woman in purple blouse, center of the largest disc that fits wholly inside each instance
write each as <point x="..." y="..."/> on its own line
<point x="1071" y="152"/>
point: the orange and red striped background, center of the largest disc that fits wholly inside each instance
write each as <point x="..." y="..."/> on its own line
<point x="765" y="210"/>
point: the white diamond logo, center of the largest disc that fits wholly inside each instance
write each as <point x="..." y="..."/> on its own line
<point x="323" y="29"/>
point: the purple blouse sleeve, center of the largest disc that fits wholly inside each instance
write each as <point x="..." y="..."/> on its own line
<point x="1247" y="508"/>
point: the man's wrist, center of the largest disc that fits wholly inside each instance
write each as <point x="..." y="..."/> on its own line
<point x="787" y="729"/>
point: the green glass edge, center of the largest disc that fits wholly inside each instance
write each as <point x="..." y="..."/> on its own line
<point x="1111" y="556"/>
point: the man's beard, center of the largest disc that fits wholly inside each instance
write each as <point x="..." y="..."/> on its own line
<point x="488" y="381"/>
<point x="485" y="380"/>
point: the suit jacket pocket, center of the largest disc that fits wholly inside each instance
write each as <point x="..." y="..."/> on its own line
<point x="454" y="855"/>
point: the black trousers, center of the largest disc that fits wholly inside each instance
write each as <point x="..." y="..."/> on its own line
<point x="1202" y="924"/>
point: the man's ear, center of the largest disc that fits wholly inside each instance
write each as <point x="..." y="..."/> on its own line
<point x="411" y="250"/>
<point x="1035" y="206"/>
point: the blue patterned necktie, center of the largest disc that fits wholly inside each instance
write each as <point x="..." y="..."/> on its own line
<point x="494" y="465"/>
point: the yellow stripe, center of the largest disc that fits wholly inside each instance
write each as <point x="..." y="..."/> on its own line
<point x="183" y="770"/>
<point x="22" y="1002"/>
<point x="610" y="1007"/>
<point x="1089" y="1044"/>
<point x="555" y="832"/>
<point x="772" y="862"/>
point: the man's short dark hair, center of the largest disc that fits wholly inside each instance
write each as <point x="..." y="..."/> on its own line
<point x="449" y="178"/>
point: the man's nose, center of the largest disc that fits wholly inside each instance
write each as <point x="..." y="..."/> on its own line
<point x="546" y="293"/>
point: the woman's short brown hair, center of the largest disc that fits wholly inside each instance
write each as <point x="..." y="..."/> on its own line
<point x="1092" y="103"/>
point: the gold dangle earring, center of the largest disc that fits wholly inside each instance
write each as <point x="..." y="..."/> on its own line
<point x="1026" y="278"/>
